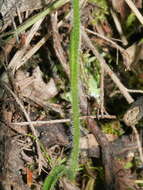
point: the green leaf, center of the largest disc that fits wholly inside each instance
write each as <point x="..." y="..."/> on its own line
<point x="94" y="91"/>
<point x="90" y="184"/>
<point x="130" y="20"/>
<point x="53" y="177"/>
<point x="128" y="165"/>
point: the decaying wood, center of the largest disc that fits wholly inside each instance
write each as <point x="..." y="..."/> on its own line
<point x="135" y="113"/>
<point x="107" y="155"/>
<point x="116" y="176"/>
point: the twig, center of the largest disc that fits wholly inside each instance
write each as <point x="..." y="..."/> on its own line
<point x="102" y="89"/>
<point x="30" y="125"/>
<point x="119" y="27"/>
<point x="16" y="61"/>
<point x="107" y="155"/>
<point x="135" y="91"/>
<point x="129" y="90"/>
<point x="19" y="14"/>
<point x="124" y="53"/>
<point x="114" y="44"/>
<point x="113" y="76"/>
<point x="63" y="120"/>
<point x="57" y="44"/>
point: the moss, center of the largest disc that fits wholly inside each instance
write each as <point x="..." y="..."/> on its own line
<point x="113" y="127"/>
<point x="100" y="13"/>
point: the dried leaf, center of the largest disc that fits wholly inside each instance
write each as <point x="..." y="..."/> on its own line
<point x="34" y="88"/>
<point x="135" y="52"/>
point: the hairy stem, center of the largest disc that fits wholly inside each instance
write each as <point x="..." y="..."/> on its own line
<point x="74" y="64"/>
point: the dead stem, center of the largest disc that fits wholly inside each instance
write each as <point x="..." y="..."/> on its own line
<point x="129" y="90"/>
<point x="107" y="155"/>
<point x="102" y="89"/>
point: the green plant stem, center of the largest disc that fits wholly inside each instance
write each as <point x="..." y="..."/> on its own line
<point x="74" y="64"/>
<point x="74" y="70"/>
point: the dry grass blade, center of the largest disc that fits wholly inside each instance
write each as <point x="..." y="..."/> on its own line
<point x="16" y="61"/>
<point x="31" y="52"/>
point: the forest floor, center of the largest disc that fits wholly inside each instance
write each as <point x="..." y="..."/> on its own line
<point x="35" y="100"/>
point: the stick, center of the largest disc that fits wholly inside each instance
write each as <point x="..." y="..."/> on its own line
<point x="63" y="120"/>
